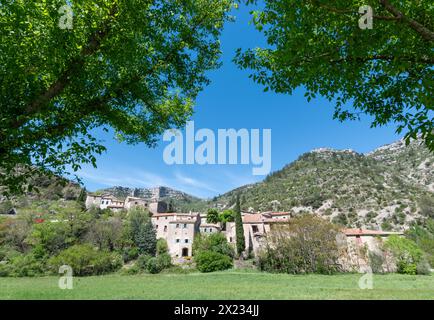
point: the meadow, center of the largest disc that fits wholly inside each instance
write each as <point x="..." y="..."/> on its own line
<point x="227" y="285"/>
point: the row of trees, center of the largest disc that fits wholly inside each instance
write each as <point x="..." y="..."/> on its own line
<point x="92" y="242"/>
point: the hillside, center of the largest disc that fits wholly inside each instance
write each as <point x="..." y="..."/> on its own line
<point x="179" y="200"/>
<point x="51" y="194"/>
<point x="388" y="188"/>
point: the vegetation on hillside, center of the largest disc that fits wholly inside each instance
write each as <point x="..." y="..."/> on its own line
<point x="390" y="188"/>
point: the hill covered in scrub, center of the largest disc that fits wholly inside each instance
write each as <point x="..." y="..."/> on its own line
<point x="180" y="201"/>
<point x="49" y="194"/>
<point x="388" y="188"/>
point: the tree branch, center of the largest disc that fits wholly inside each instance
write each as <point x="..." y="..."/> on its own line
<point x="93" y="45"/>
<point x="426" y="34"/>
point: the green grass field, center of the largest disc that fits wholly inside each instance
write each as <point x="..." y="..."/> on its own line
<point x="221" y="286"/>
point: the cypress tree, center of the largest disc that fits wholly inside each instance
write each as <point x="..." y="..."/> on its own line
<point x="239" y="230"/>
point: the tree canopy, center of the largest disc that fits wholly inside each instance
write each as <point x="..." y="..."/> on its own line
<point x="132" y="66"/>
<point x="385" y="72"/>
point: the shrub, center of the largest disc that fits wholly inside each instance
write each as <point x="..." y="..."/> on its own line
<point x="209" y="261"/>
<point x="22" y="266"/>
<point x="406" y="252"/>
<point x="423" y="268"/>
<point x="129" y="254"/>
<point x="216" y="242"/>
<point x="162" y="246"/>
<point x="306" y="245"/>
<point x="85" y="260"/>
<point x="49" y="238"/>
<point x="152" y="266"/>
<point x="164" y="260"/>
<point x="142" y="261"/>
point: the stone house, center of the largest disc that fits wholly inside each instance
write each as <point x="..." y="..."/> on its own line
<point x="104" y="201"/>
<point x="255" y="226"/>
<point x="208" y="228"/>
<point x="179" y="230"/>
<point x="356" y="244"/>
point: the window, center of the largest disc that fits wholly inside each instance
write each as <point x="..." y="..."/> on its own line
<point x="255" y="228"/>
<point x="185" y="225"/>
<point x="156" y="227"/>
<point x="177" y="225"/>
<point x="186" y="240"/>
<point x="165" y="228"/>
<point x="177" y="240"/>
<point x="230" y="239"/>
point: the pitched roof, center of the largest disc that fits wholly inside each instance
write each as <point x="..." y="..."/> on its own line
<point x="274" y="214"/>
<point x="253" y="218"/>
<point x="365" y="232"/>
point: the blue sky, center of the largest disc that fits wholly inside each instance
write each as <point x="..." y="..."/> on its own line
<point x="232" y="100"/>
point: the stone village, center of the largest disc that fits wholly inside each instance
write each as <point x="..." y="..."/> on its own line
<point x="180" y="229"/>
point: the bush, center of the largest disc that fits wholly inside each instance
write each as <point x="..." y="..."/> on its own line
<point x="162" y="246"/>
<point x="215" y="242"/>
<point x="85" y="260"/>
<point x="129" y="254"/>
<point x="142" y="261"/>
<point x="22" y="266"/>
<point x="406" y="252"/>
<point x="306" y="245"/>
<point x="164" y="260"/>
<point x="152" y="266"/>
<point x="423" y="268"/>
<point x="210" y="261"/>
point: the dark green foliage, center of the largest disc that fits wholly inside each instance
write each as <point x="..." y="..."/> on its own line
<point x="341" y="219"/>
<point x="212" y="216"/>
<point x="130" y="254"/>
<point x="164" y="261"/>
<point x="424" y="238"/>
<point x="146" y="239"/>
<point x="152" y="266"/>
<point x="157" y="264"/>
<point x="22" y="265"/>
<point x="210" y="261"/>
<point x="106" y="233"/>
<point x="142" y="261"/>
<point x="85" y="261"/>
<point x="318" y="45"/>
<point x="227" y="216"/>
<point x="215" y="242"/>
<point x="134" y="67"/>
<point x="239" y="230"/>
<point x="142" y="232"/>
